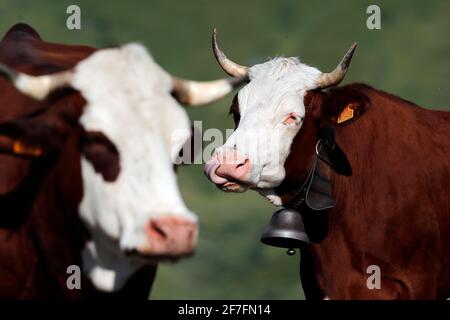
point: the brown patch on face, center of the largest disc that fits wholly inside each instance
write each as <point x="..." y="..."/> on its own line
<point x="102" y="153"/>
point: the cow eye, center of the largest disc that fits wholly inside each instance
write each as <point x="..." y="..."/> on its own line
<point x="292" y="118"/>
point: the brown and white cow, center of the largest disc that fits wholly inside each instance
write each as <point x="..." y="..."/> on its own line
<point x="90" y="134"/>
<point x="393" y="205"/>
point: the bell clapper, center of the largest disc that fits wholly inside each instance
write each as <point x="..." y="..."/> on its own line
<point x="291" y="252"/>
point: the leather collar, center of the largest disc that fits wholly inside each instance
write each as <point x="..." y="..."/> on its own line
<point x="315" y="192"/>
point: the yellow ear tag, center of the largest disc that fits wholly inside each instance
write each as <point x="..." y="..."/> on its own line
<point x="20" y="149"/>
<point x="346" y="114"/>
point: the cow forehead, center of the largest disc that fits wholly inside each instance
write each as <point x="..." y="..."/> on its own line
<point x="288" y="70"/>
<point x="277" y="80"/>
<point x="126" y="89"/>
<point x="268" y="101"/>
<point x="130" y="62"/>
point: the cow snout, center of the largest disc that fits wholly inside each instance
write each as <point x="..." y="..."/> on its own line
<point x="229" y="167"/>
<point x="171" y="236"/>
<point x="233" y="171"/>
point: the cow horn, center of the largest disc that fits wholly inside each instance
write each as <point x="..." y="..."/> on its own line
<point x="196" y="93"/>
<point x="37" y="87"/>
<point x="230" y="67"/>
<point x="334" y="77"/>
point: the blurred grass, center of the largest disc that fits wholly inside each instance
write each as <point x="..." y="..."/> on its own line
<point x="409" y="56"/>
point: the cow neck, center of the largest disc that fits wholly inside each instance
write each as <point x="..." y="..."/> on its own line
<point x="299" y="162"/>
<point x="315" y="192"/>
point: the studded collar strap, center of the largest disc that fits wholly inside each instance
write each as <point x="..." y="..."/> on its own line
<point x="315" y="192"/>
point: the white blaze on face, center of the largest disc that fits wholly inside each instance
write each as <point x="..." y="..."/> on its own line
<point x="128" y="100"/>
<point x="265" y="133"/>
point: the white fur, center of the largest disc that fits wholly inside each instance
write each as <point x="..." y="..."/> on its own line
<point x="271" y="195"/>
<point x="128" y="99"/>
<point x="275" y="90"/>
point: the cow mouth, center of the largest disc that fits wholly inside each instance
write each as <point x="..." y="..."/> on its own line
<point x="150" y="258"/>
<point x="210" y="172"/>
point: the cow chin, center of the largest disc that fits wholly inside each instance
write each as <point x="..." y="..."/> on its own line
<point x="256" y="182"/>
<point x="233" y="187"/>
<point x="108" y="271"/>
<point x="148" y="257"/>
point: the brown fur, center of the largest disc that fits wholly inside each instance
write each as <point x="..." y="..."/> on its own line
<point x="393" y="211"/>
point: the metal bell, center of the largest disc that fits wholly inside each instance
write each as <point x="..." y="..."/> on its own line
<point x="286" y="230"/>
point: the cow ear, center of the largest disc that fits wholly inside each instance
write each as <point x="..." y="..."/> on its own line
<point x="337" y="105"/>
<point x="43" y="130"/>
<point x="102" y="154"/>
<point x="29" y="138"/>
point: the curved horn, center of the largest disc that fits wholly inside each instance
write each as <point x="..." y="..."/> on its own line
<point x="196" y="93"/>
<point x="334" y="77"/>
<point x="230" y="67"/>
<point x="37" y="87"/>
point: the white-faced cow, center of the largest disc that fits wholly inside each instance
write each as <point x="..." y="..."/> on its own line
<point x="387" y="171"/>
<point x="93" y="134"/>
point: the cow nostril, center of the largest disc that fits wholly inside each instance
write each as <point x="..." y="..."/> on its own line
<point x="242" y="164"/>
<point x="158" y="230"/>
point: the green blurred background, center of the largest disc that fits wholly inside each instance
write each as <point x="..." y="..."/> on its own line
<point x="409" y="56"/>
